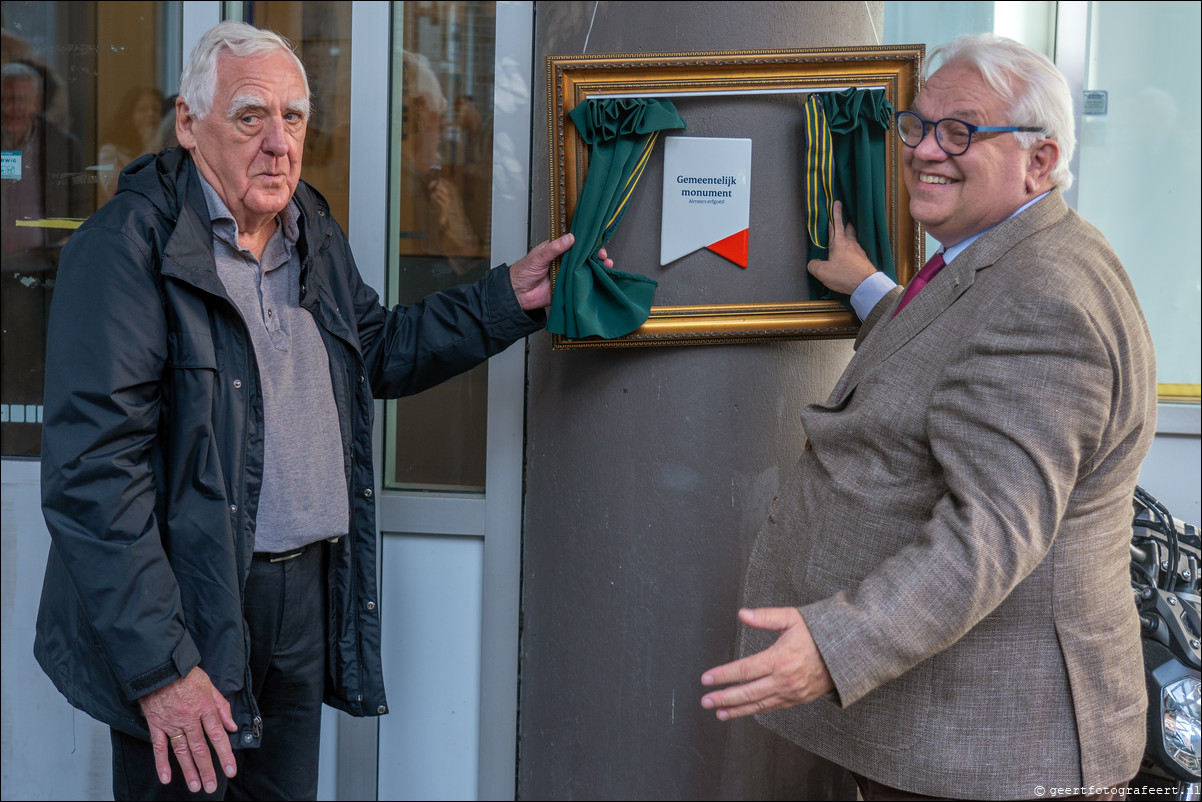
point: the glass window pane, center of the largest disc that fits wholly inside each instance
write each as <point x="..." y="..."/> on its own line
<point x="1140" y="170"/>
<point x="441" y="201"/>
<point x="83" y="94"/>
<point x="320" y="32"/>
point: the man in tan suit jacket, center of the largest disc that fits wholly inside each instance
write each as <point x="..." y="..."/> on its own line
<point x="939" y="599"/>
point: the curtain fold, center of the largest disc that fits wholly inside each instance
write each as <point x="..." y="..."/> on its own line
<point x="590" y="300"/>
<point x="844" y="158"/>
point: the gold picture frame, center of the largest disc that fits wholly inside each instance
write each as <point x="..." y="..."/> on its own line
<point x="732" y="76"/>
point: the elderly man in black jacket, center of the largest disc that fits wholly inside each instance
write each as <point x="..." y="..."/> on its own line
<point x="207" y="461"/>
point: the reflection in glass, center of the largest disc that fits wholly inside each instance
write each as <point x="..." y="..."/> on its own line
<point x="133" y="129"/>
<point x="66" y="74"/>
<point x="1141" y="167"/>
<point x="320" y="32"/>
<point x="440" y="197"/>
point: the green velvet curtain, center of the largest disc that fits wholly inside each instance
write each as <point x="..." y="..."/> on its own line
<point x="844" y="156"/>
<point x="589" y="300"/>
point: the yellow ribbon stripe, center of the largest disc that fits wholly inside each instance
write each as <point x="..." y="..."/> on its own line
<point x="819" y="157"/>
<point x="633" y="180"/>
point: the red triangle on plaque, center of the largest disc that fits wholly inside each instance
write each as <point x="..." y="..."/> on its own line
<point x="733" y="248"/>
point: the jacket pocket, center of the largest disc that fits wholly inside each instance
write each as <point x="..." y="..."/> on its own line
<point x="192" y="407"/>
<point x="191" y="350"/>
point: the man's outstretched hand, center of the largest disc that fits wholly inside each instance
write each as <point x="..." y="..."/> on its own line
<point x="789" y="672"/>
<point x="846" y="264"/>
<point x="531" y="275"/>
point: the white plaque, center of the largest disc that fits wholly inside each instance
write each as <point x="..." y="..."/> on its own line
<point x="707" y="197"/>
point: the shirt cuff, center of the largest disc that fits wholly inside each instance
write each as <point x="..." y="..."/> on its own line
<point x="870" y="292"/>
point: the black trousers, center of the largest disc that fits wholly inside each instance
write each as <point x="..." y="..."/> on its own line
<point x="286" y="612"/>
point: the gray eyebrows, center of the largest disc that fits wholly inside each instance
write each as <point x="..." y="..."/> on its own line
<point x="299" y="106"/>
<point x="240" y="104"/>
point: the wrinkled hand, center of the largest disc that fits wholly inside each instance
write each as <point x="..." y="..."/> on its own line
<point x="531" y="275"/>
<point x="789" y="672"/>
<point x="846" y="264"/>
<point x="184" y="718"/>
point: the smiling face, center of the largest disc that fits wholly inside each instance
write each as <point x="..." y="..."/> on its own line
<point x="249" y="146"/>
<point x="955" y="197"/>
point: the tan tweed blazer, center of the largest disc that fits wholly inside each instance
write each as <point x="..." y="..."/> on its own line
<point x="956" y="531"/>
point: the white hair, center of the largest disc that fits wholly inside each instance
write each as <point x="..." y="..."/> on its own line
<point x="20" y="71"/>
<point x="198" y="82"/>
<point x="1030" y="87"/>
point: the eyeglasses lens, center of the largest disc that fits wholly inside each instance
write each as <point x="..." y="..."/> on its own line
<point x="910" y="128"/>
<point x="952" y="135"/>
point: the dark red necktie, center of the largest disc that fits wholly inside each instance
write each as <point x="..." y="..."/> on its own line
<point x="933" y="266"/>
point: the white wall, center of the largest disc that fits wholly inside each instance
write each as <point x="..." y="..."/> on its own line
<point x="48" y="750"/>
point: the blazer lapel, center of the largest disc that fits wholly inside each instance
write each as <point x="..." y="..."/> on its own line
<point x="891" y="333"/>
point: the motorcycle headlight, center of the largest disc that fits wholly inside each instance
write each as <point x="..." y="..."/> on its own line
<point x="1182" y="722"/>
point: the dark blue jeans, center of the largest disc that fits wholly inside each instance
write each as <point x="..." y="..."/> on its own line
<point x="286" y="612"/>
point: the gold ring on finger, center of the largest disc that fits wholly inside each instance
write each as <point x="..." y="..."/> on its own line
<point x="173" y="737"/>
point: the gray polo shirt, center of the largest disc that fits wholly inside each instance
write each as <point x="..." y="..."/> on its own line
<point x="304" y="492"/>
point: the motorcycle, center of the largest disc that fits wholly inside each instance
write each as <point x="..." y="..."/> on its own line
<point x="1166" y="555"/>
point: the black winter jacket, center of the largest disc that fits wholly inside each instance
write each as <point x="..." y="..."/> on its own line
<point x="152" y="453"/>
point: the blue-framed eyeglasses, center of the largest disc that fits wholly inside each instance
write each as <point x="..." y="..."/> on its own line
<point x="952" y="135"/>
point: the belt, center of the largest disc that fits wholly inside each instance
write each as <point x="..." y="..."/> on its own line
<point x="282" y="556"/>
